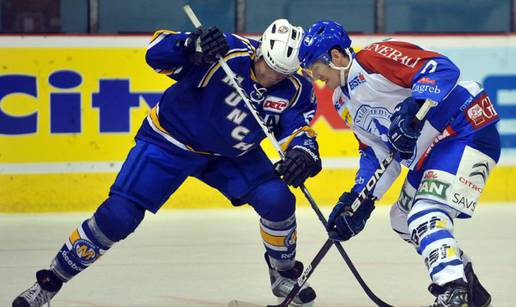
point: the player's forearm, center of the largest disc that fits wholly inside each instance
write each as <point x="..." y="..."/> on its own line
<point x="166" y="51"/>
<point x="369" y="164"/>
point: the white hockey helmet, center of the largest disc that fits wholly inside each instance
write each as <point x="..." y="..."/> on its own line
<point x="280" y="46"/>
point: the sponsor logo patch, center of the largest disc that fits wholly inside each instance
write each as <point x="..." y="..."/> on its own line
<point x="439" y="254"/>
<point x="283" y="29"/>
<point x="86" y="252"/>
<point x="430" y="175"/>
<point x="273" y="104"/>
<point x="393" y="54"/>
<point x="463" y="201"/>
<point x="291" y="238"/>
<point x="356" y="81"/>
<point x="339" y="103"/>
<point x="470" y="184"/>
<point x="404" y="201"/>
<point x="426" y="80"/>
<point x="426" y="88"/>
<point x="480" y="169"/>
<point x="433" y="187"/>
<point x="421" y="230"/>
<point x="481" y="112"/>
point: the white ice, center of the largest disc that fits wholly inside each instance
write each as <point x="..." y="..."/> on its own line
<point x="209" y="257"/>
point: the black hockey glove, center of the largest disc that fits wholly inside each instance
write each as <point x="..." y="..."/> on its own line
<point x="205" y="44"/>
<point x="299" y="164"/>
<point x="342" y="224"/>
<point x="403" y="132"/>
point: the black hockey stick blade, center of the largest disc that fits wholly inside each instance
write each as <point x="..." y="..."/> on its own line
<point x="300" y="281"/>
<point x="237" y="303"/>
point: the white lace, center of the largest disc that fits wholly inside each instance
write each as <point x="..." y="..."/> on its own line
<point x="282" y="286"/>
<point x="36" y="296"/>
<point x="443" y="299"/>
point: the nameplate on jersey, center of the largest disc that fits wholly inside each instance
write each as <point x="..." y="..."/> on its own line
<point x="275" y="104"/>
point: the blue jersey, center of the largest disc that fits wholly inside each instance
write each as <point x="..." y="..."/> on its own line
<point x="202" y="112"/>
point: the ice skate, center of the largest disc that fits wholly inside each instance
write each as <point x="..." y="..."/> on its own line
<point x="455" y="295"/>
<point x="282" y="283"/>
<point x="478" y="295"/>
<point x="44" y="289"/>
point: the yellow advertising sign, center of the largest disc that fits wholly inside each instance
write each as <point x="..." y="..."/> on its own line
<point x="68" y="114"/>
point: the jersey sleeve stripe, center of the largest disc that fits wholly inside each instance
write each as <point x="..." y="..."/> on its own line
<point x="397" y="61"/>
<point x="211" y="71"/>
<point x="298" y="86"/>
<point x="246" y="42"/>
<point x="285" y="143"/>
<point x="161" y="33"/>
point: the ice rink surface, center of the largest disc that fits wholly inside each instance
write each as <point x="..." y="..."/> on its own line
<point x="208" y="257"/>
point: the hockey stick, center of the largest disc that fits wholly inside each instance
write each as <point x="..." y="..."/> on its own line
<point x="366" y="191"/>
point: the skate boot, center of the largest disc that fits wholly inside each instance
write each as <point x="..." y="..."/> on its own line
<point x="47" y="285"/>
<point x="478" y="295"/>
<point x="282" y="283"/>
<point x="455" y="295"/>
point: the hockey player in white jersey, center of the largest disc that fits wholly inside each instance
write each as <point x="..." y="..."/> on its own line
<point x="450" y="153"/>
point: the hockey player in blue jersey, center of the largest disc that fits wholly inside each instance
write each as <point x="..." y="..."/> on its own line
<point x="202" y="128"/>
<point x="449" y="155"/>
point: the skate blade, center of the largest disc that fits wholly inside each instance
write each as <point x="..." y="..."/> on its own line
<point x="292" y="304"/>
<point x="237" y="303"/>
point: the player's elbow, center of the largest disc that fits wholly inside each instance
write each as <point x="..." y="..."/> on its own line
<point x="151" y="57"/>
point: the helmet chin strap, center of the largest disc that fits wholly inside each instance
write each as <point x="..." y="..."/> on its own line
<point x="342" y="70"/>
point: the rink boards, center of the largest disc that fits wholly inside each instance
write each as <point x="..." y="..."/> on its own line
<point x="70" y="106"/>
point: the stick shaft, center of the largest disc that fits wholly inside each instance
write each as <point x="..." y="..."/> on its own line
<point x="301" y="281"/>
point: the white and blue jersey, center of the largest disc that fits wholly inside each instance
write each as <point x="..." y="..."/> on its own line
<point x="384" y="74"/>
<point x="458" y="147"/>
<point x="203" y="113"/>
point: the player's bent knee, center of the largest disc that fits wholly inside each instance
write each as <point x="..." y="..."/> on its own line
<point x="113" y="221"/>
<point x="118" y="217"/>
<point x="273" y="201"/>
<point x="399" y="222"/>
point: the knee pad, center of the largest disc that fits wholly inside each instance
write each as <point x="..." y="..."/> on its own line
<point x="399" y="222"/>
<point x="273" y="201"/>
<point x="114" y="220"/>
<point x="118" y="217"/>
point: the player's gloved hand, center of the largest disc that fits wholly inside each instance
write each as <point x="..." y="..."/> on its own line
<point x="404" y="132"/>
<point x="299" y="164"/>
<point x="205" y="44"/>
<point x="342" y="224"/>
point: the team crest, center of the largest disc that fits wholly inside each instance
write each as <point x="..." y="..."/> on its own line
<point x="283" y="30"/>
<point x="375" y="120"/>
<point x="85" y="251"/>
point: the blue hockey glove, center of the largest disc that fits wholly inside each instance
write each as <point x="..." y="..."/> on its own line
<point x="342" y="224"/>
<point x="299" y="164"/>
<point x="404" y="132"/>
<point x="205" y="44"/>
